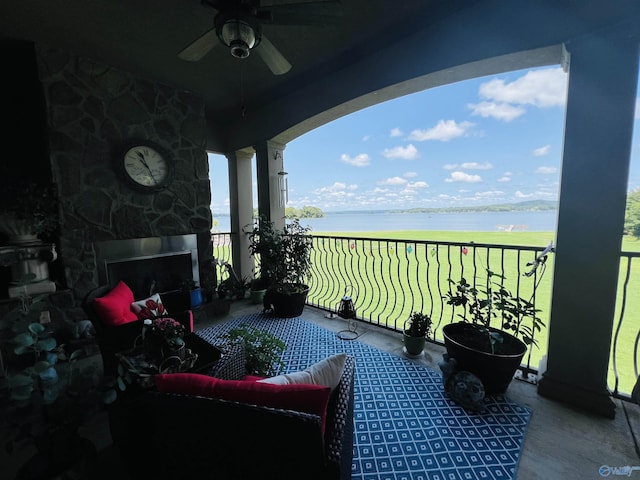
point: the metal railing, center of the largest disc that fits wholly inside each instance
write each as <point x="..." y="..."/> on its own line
<point x="390" y="279"/>
<point x="623" y="365"/>
<point x="222" y="253"/>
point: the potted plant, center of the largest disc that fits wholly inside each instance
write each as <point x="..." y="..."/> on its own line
<point x="208" y="279"/>
<point x="195" y="292"/>
<point x="263" y="349"/>
<point x="416" y="329"/>
<point x="257" y="289"/>
<point x="284" y="263"/>
<point x="47" y="397"/>
<point x="493" y="354"/>
<point x="233" y="287"/>
<point x="27" y="210"/>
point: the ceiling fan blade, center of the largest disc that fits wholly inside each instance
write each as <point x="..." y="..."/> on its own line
<point x="272" y="57"/>
<point x="319" y="13"/>
<point x="199" y="48"/>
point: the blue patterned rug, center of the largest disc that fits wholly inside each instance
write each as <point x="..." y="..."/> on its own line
<point x="405" y="426"/>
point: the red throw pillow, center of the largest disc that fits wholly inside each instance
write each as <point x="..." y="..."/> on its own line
<point x="298" y="397"/>
<point x="115" y="307"/>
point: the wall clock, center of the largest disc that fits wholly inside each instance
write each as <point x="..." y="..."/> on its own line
<point x="146" y="166"/>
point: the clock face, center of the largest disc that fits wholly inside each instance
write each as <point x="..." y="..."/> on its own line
<point x="146" y="167"/>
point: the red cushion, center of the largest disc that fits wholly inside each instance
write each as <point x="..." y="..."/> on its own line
<point x="299" y="397"/>
<point x="115" y="307"/>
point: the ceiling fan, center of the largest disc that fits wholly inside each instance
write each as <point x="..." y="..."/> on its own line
<point x="238" y="25"/>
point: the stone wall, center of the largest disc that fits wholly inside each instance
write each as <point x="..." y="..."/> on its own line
<point x="92" y="109"/>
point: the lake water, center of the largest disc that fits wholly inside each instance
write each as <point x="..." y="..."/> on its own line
<point x="544" y="221"/>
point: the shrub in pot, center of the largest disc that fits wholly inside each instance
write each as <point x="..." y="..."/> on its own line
<point x="493" y="354"/>
<point x="416" y="329"/>
<point x="284" y="261"/>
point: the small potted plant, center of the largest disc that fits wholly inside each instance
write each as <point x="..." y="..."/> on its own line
<point x="416" y="329"/>
<point x="493" y="354"/>
<point x="263" y="349"/>
<point x="284" y="263"/>
<point x="195" y="293"/>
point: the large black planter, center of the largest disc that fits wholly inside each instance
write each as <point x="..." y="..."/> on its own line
<point x="494" y="370"/>
<point x="287" y="304"/>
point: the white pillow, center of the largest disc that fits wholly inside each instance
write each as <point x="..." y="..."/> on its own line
<point x="326" y="372"/>
<point x="149" y="307"/>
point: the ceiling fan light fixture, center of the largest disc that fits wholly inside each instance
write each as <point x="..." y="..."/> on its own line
<point x="239" y="35"/>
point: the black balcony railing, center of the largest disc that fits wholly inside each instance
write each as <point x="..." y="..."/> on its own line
<point x="390" y="279"/>
<point x="623" y="366"/>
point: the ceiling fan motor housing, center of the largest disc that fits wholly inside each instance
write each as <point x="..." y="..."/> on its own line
<point x="240" y="31"/>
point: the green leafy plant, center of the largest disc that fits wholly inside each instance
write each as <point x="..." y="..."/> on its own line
<point x="284" y="255"/>
<point x="492" y="300"/>
<point x="418" y="325"/>
<point x="46" y="392"/>
<point x="263" y="349"/>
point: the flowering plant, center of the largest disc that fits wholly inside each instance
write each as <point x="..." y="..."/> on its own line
<point x="169" y="330"/>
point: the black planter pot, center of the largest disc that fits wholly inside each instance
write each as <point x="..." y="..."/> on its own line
<point x="495" y="370"/>
<point x="285" y="303"/>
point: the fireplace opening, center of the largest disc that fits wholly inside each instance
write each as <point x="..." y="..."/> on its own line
<point x="148" y="265"/>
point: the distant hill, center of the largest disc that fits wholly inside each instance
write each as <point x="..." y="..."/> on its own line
<point x="529" y="206"/>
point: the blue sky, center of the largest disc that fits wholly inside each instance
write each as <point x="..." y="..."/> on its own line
<point x="495" y="139"/>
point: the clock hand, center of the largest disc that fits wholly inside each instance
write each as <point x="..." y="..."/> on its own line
<point x="144" y="163"/>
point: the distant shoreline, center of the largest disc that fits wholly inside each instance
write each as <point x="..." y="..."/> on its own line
<point x="528" y="206"/>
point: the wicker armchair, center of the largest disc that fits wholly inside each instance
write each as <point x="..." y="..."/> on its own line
<point x="174" y="436"/>
<point x="114" y="339"/>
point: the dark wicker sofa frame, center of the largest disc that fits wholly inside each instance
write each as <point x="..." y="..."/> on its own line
<point x="172" y="436"/>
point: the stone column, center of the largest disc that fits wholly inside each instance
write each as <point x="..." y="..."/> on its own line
<point x="241" y="209"/>
<point x="603" y="75"/>
<point x="269" y="163"/>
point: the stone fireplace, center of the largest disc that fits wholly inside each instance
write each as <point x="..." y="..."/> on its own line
<point x="148" y="265"/>
<point x="91" y="110"/>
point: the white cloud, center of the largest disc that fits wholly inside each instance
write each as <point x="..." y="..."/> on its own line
<point x="338" y="189"/>
<point x="360" y="160"/>
<point x="504" y="178"/>
<point x="393" y="181"/>
<point x="541" y="88"/>
<point x="542" y="151"/>
<point x="490" y="193"/>
<point x="450" y="166"/>
<point x="476" y="166"/>
<point x="410" y="174"/>
<point x="519" y="194"/>
<point x="505" y="101"/>
<point x="463" y="177"/>
<point x="395" y="132"/>
<point x="444" y="131"/>
<point x="406" y="153"/>
<point x="414" y="185"/>
<point x="366" y="138"/>
<point x="499" y="111"/>
<point x="547" y="170"/>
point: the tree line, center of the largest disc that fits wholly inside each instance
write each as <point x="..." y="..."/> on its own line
<point x="632" y="214"/>
<point x="305" y="212"/>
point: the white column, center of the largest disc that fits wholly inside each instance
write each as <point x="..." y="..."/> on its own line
<point x="241" y="210"/>
<point x="269" y="165"/>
